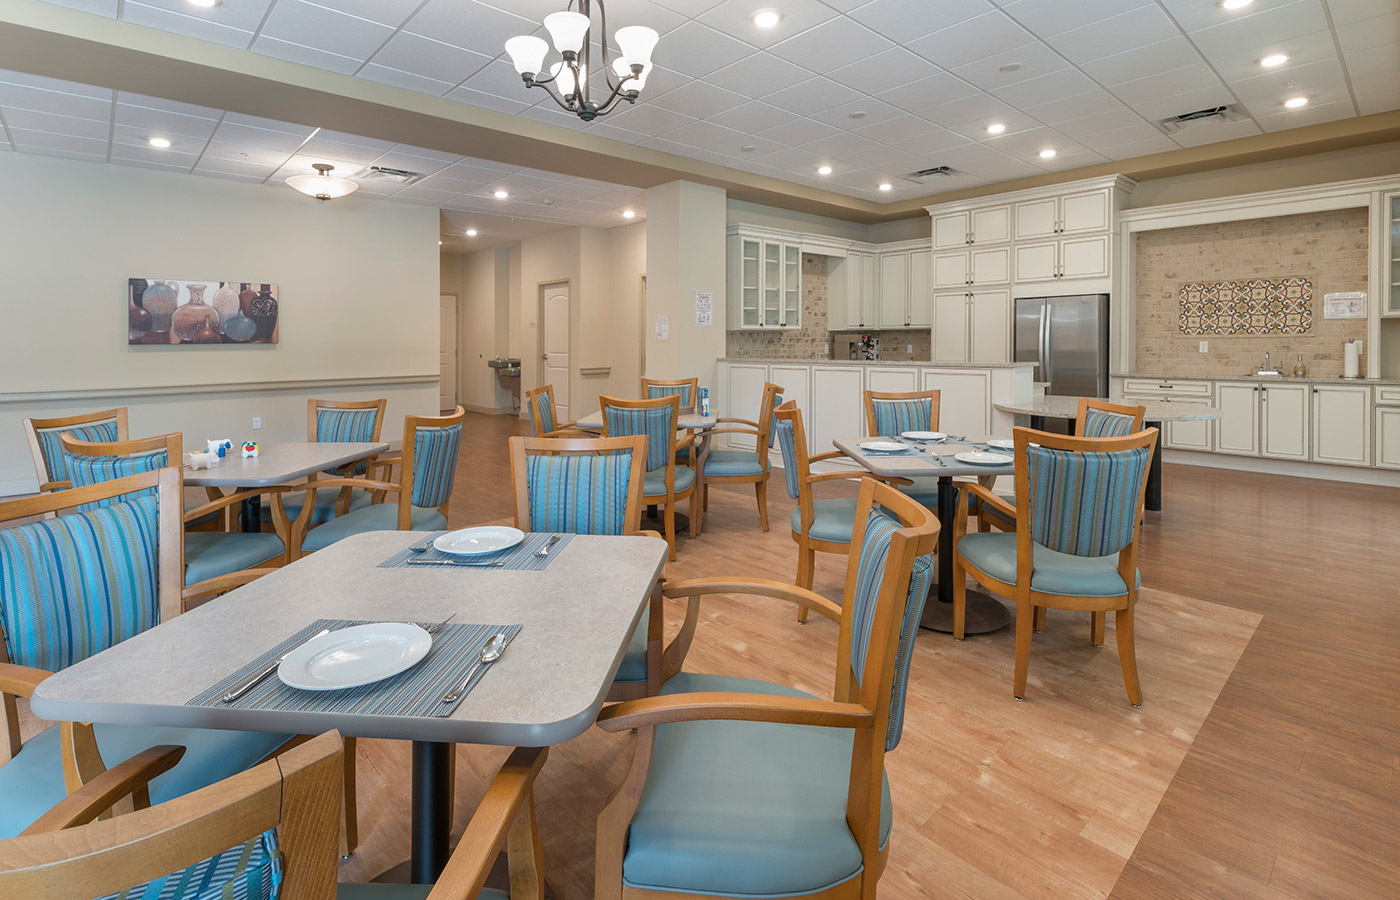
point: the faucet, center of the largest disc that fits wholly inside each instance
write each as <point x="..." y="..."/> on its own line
<point x="1267" y="367"/>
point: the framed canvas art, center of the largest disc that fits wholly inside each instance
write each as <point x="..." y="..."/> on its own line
<point x="163" y="313"/>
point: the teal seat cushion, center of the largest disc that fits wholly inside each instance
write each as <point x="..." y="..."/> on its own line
<point x="1052" y="572"/>
<point x="209" y="554"/>
<point x="924" y="491"/>
<point x="634" y="660"/>
<point x="832" y="520"/>
<point x="324" y="510"/>
<point x="358" y="891"/>
<point x="723" y="463"/>
<point x="376" y="517"/>
<point x="745" y="809"/>
<point x="654" y="482"/>
<point x="32" y="782"/>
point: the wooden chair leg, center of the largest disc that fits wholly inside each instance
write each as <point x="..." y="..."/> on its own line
<point x="1097" y="621"/>
<point x="959" y="600"/>
<point x="525" y="853"/>
<point x="806" y="574"/>
<point x="696" y="513"/>
<point x="350" y="820"/>
<point x="671" y="529"/>
<point x="1039" y="621"/>
<point x="1127" y="653"/>
<point x="761" y="489"/>
<point x="706" y="497"/>
<point x="1023" y="647"/>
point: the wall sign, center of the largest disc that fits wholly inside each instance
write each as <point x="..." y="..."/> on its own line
<point x="663" y="328"/>
<point x="1344" y="305"/>
<point x="704" y="308"/>
<point x="1260" y="306"/>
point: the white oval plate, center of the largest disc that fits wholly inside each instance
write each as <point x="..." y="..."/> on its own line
<point x="350" y="657"/>
<point x="882" y="447"/>
<point x="924" y="435"/>
<point x="480" y="540"/>
<point x="978" y="458"/>
<point x="1002" y="443"/>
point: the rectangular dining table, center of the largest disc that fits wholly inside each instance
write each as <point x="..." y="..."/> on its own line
<point x="924" y="460"/>
<point x="279" y="462"/>
<point x="577" y="616"/>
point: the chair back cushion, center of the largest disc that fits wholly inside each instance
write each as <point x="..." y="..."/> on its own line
<point x="543" y="419"/>
<point x="893" y="417"/>
<point x="578" y="493"/>
<point x="1085" y="503"/>
<point x="51" y="446"/>
<point x="434" y="464"/>
<point x="1100" y="423"/>
<point x="251" y="871"/>
<point x="874" y="553"/>
<point x="656" y="423"/>
<point x="787" y="442"/>
<point x="657" y="391"/>
<point x="79" y="583"/>
<point x="346" y="425"/>
<point x="773" y="420"/>
<point x="86" y="470"/>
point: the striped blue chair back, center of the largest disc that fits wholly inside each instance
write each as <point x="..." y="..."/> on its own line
<point x="1100" y="423"/>
<point x="51" y="445"/>
<point x="657" y="391"/>
<point x="434" y="464"/>
<point x="251" y="871"/>
<point x="894" y="417"/>
<point x="870" y="572"/>
<point x="578" y="493"/>
<point x="543" y="419"/>
<point x="656" y="423"/>
<point x="77" y="584"/>
<point x="787" y="442"/>
<point x="347" y="425"/>
<point x="773" y="420"/>
<point x="1085" y="503"/>
<point x="86" y="470"/>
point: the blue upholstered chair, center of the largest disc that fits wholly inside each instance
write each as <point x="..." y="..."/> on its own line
<point x="264" y="832"/>
<point x="889" y="414"/>
<point x="1097" y="418"/>
<point x="71" y="586"/>
<point x="592" y="486"/>
<point x="427" y="471"/>
<point x="1078" y="517"/>
<point x="747" y="788"/>
<point x="43" y="436"/>
<point x="664" y="484"/>
<point x="331" y="421"/>
<point x="737" y="466"/>
<point x="686" y="389"/>
<point x="544" y="419"/>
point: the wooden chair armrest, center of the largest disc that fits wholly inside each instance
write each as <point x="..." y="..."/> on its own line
<point x="710" y="431"/>
<point x="859" y="473"/>
<point x="20" y="680"/>
<point x="385" y="461"/>
<point x="988" y="497"/>
<point x="228" y="500"/>
<point x="364" y="483"/>
<point x="760" y="587"/>
<point x="686" y="441"/>
<point x="706" y="705"/>
<point x="748" y="422"/>
<point x="571" y="433"/>
<point x="130" y="777"/>
<point x="54" y="486"/>
<point x="647" y="532"/>
<point x="830" y="454"/>
<point x="220" y="584"/>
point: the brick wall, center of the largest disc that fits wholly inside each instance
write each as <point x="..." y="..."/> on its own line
<point x="810" y="340"/>
<point x="1327" y="247"/>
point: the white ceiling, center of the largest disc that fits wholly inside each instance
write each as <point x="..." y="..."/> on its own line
<point x="927" y="77"/>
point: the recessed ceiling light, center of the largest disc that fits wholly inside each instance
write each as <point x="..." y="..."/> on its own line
<point x="1010" y="67"/>
<point x="1233" y="4"/>
<point x="501" y="195"/>
<point x="1295" y="102"/>
<point x="995" y="128"/>
<point x="824" y="170"/>
<point x="159" y="143"/>
<point x="886" y="186"/>
<point x="471" y="232"/>
<point x="1276" y="59"/>
<point x="858" y="114"/>
<point x="1047" y="154"/>
<point x="439" y="243"/>
<point x="766" y="18"/>
<point x="207" y="4"/>
<point x="747" y="148"/>
<point x="628" y="214"/>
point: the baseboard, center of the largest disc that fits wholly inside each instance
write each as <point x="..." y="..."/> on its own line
<point x="1292" y="468"/>
<point x="488" y="410"/>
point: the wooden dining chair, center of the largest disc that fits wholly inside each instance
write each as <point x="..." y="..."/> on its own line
<point x="543" y="420"/>
<point x="1099" y="418"/>
<point x="427" y="473"/>
<point x="269" y="831"/>
<point x="890" y="414"/>
<point x="1078" y="517"/>
<point x="328" y="421"/>
<point x="592" y="486"/>
<point x="738" y="466"/>
<point x="43" y="436"/>
<point x="748" y="788"/>
<point x="664" y="484"/>
<point x="685" y="388"/>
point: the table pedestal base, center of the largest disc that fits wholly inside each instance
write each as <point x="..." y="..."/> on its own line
<point x="499" y="879"/>
<point x="432" y="809"/>
<point x="984" y="614"/>
<point x="653" y="519"/>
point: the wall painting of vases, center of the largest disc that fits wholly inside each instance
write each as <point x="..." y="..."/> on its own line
<point x="200" y="312"/>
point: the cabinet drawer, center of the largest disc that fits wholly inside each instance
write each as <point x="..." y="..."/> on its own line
<point x="1388" y="396"/>
<point x="1166" y="387"/>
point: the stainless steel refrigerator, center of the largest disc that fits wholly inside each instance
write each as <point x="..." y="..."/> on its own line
<point x="1067" y="339"/>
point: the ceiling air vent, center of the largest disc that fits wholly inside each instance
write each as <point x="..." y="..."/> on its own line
<point x="1198" y="119"/>
<point x="399" y="176"/>
<point x="925" y="175"/>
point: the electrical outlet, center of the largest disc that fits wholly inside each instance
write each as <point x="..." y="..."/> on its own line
<point x="1360" y="347"/>
<point x="257" y="422"/>
<point x="908" y="348"/>
<point x="1205" y="346"/>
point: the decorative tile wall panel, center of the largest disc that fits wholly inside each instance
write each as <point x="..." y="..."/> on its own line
<point x="1257" y="306"/>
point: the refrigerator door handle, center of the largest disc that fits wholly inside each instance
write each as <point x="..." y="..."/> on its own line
<point x="1046" y="365"/>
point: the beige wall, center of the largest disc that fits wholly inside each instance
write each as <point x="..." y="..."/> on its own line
<point x="481" y="282"/>
<point x="358" y="314"/>
<point x="741" y="212"/>
<point x="685" y="254"/>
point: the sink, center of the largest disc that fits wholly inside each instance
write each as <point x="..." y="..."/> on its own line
<point x="1264" y="374"/>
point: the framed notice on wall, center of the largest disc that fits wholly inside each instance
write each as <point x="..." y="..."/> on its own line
<point x="704" y="308"/>
<point x="1344" y="305"/>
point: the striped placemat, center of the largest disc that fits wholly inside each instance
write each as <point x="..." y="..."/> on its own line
<point x="417" y="692"/>
<point x="521" y="557"/>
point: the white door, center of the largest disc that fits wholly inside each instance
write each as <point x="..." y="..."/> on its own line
<point x="1237" y="429"/>
<point x="920" y="294"/>
<point x="554" y="338"/>
<point x="1036" y="262"/>
<point x="894" y="289"/>
<point x="991" y="225"/>
<point x="989" y="330"/>
<point x="1283" y="421"/>
<point x="1084" y="212"/>
<point x="447" y="351"/>
<point x="991" y="266"/>
<point x="1084" y="257"/>
<point x="1341" y="424"/>
<point x="950" y="313"/>
<point x="1037" y="218"/>
<point x="950" y="230"/>
<point x="950" y="270"/>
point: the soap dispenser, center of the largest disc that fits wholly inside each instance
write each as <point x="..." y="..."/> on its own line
<point x="1300" y="370"/>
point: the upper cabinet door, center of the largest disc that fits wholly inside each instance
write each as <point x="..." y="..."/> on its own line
<point x="749" y="275"/>
<point x="920" y="289"/>
<point x="772" y="283"/>
<point x="792" y="285"/>
<point x="1086" y="211"/>
<point x="951" y="230"/>
<point x="991" y="266"/>
<point x="894" y="290"/>
<point x="1085" y="257"/>
<point x="1037" y="218"/>
<point x="951" y="270"/>
<point x="991" y="225"/>
<point x="989" y="326"/>
<point x="950" y="312"/>
<point x="1037" y="262"/>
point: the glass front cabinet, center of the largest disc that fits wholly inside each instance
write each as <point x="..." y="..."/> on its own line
<point x="1391" y="299"/>
<point x="765" y="286"/>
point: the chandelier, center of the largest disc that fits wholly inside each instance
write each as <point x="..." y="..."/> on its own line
<point x="323" y="185"/>
<point x="568" y="79"/>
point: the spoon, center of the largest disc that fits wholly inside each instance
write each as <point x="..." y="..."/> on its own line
<point x="489" y="654"/>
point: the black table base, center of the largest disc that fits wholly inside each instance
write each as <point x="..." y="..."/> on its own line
<point x="653" y="519"/>
<point x="250" y="513"/>
<point x="432" y="810"/>
<point x="983" y="613"/>
<point x="1154" y="472"/>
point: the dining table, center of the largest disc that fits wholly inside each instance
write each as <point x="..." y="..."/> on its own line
<point x="277" y="463"/>
<point x="576" y="612"/>
<point x="937" y="459"/>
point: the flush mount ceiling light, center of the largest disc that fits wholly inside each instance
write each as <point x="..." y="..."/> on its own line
<point x="322" y="185"/>
<point x="159" y="143"/>
<point x="628" y="214"/>
<point x="858" y="114"/>
<point x="1276" y="59"/>
<point x="1296" y="102"/>
<point x="471" y="232"/>
<point x="568" y="79"/>
<point x="886" y="186"/>
<point x="206" y="4"/>
<point x="1009" y="67"/>
<point x="500" y="195"/>
<point x="824" y="170"/>
<point x="995" y="128"/>
<point x="766" y="18"/>
<point x="1047" y="154"/>
<point x="1233" y="4"/>
<point x="748" y="148"/>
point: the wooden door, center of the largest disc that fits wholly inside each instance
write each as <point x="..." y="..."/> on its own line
<point x="447" y="352"/>
<point x="554" y="340"/>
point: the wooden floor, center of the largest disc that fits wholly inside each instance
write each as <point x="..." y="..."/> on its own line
<point x="1264" y="770"/>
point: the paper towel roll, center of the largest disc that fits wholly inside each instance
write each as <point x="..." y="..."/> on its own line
<point x="1352" y="365"/>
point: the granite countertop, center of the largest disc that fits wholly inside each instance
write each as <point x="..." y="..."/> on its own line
<point x="1156" y="410"/>
<point x="1311" y="379"/>
<point x="881" y="362"/>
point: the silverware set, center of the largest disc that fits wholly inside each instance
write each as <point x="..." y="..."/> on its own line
<point x="489" y="654"/>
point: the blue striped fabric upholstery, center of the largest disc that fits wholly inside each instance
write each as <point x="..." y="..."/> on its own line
<point x="434" y="464"/>
<point x="543" y="419"/>
<point x="773" y="421"/>
<point x="251" y="871"/>
<point x="787" y="442"/>
<point x="348" y="425"/>
<point x="894" y="417"/>
<point x="51" y="446"/>
<point x="578" y="493"/>
<point x="657" y="391"/>
<point x="86" y="470"/>
<point x="874" y="553"/>
<point x="80" y="583"/>
<point x="1101" y="423"/>
<point x="656" y="423"/>
<point x="1085" y="503"/>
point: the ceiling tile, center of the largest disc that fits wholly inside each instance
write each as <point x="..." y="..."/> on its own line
<point x="812" y="95"/>
<point x="1144" y="25"/>
<point x="760" y="76"/>
<point x="696" y="50"/>
<point x="158" y="123"/>
<point x="649" y="119"/>
<point x="891" y="69"/>
<point x="1273" y="23"/>
<point x="1158" y="143"/>
<point x="1051" y="17"/>
<point x="1167" y="84"/>
<point x="34" y="120"/>
<point x="1193" y="15"/>
<point x="245" y="155"/>
<point x="25" y="138"/>
<point x="106" y="8"/>
<point x="65" y="152"/>
<point x="1099" y="122"/>
<point x="209" y="165"/>
<point x="902" y="21"/>
<point x="1190" y="101"/>
<point x="843" y="145"/>
<point x="471" y="25"/>
<point x="1321" y="82"/>
<point x="799" y="131"/>
<point x="307" y="56"/>
<point x="733" y="17"/>
<point x="25" y="97"/>
<point x="323" y="28"/>
<point x="860" y="113"/>
<point x="1144" y="60"/>
<point x="141" y="137"/>
<point x="971" y="40"/>
<point x="926" y="93"/>
<point x="835" y="43"/>
<point x="1222" y="131"/>
<point x="205" y="29"/>
<point x="386" y="12"/>
<point x="429" y="58"/>
<point x="1380" y="97"/>
<point x="1370" y="33"/>
<point x="1312" y="114"/>
<point x="978" y="108"/>
<point x="753" y="116"/>
<point x="245" y="15"/>
<point x="1369" y="68"/>
<point x="704" y="134"/>
<point x="1064" y="83"/>
<point x="899" y="128"/>
<point x="411" y="82"/>
<point x="1347" y="11"/>
<point x="500" y="79"/>
<point x="158" y="103"/>
<point x="1026" y="62"/>
<point x="264" y="139"/>
<point x="145" y="153"/>
<point x="1014" y="121"/>
<point x="346" y="152"/>
<point x="1137" y="133"/>
<point x="1073" y="107"/>
<point x="700" y="100"/>
<point x="882" y="158"/>
<point x="934" y="141"/>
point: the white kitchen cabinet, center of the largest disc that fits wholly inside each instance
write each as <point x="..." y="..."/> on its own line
<point x="894" y="289"/>
<point x="951" y="270"/>
<point x="1077" y="212"/>
<point x="1390" y="244"/>
<point x="988" y="225"/>
<point x="1341" y="424"/>
<point x="1388" y="437"/>
<point x="838" y="405"/>
<point x="972" y="326"/>
<point x="795" y="380"/>
<point x="862" y="306"/>
<point x="951" y="312"/>
<point x="972" y="267"/>
<point x="1237" y="429"/>
<point x="1038" y="262"/>
<point x="1283" y="420"/>
<point x="765" y="283"/>
<point x="964" y="400"/>
<point x="744" y="396"/>
<point x="1037" y="218"/>
<point x="891" y="379"/>
<point x="1085" y="257"/>
<point x="1188" y="435"/>
<point x="920" y="289"/>
<point x="952" y="230"/>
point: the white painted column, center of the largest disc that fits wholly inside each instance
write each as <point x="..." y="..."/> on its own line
<point x="685" y="255"/>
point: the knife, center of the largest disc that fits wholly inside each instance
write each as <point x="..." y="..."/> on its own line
<point x="268" y="670"/>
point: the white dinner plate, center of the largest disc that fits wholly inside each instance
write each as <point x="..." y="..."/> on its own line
<point x="923" y="435"/>
<point x="350" y="657"/>
<point x="882" y="447"/>
<point x="979" y="458"/>
<point x="1007" y="443"/>
<point x="480" y="540"/>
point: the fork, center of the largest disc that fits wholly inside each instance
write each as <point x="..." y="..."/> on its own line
<point x="434" y="629"/>
<point x="544" y="551"/>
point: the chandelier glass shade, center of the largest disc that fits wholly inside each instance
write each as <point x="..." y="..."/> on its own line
<point x="322" y="185"/>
